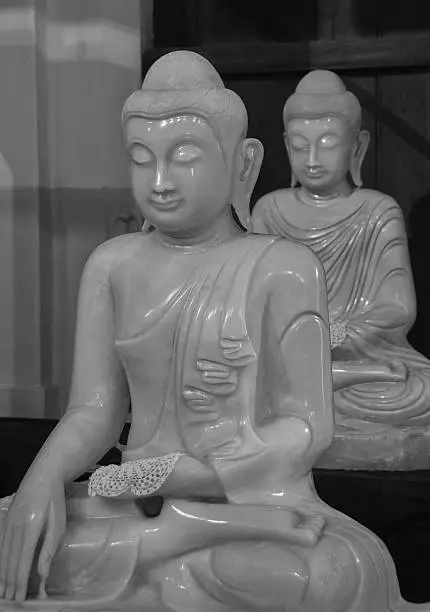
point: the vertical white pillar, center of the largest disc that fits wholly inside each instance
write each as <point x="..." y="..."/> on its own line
<point x="66" y="70"/>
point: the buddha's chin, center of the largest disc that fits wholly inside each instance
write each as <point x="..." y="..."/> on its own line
<point x="316" y="180"/>
<point x="318" y="186"/>
<point x="168" y="216"/>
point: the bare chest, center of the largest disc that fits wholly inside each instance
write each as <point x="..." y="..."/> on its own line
<point x="146" y="289"/>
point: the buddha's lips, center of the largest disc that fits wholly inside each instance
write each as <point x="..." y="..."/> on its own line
<point x="165" y="204"/>
<point x="315" y="175"/>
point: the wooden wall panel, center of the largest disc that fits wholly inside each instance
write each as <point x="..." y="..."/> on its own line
<point x="402" y="171"/>
<point x="405" y="174"/>
<point x="264" y="98"/>
<point x="368" y="82"/>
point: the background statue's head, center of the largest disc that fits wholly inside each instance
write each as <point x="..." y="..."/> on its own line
<point x="323" y="133"/>
<point x="186" y="136"/>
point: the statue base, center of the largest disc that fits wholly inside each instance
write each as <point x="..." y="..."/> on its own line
<point x="385" y="448"/>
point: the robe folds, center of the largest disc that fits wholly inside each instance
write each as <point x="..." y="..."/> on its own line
<point x="113" y="558"/>
<point x="370" y="293"/>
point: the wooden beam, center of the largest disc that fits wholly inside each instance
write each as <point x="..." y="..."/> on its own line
<point x="344" y="19"/>
<point x="326" y="11"/>
<point x="352" y="53"/>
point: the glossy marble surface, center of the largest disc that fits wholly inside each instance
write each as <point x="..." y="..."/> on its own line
<point x="382" y="385"/>
<point x="221" y="341"/>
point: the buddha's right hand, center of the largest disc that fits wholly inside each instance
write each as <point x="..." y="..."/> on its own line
<point x="38" y="509"/>
<point x="398" y="371"/>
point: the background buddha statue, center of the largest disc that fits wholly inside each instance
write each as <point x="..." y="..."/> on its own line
<point x="212" y="334"/>
<point x="382" y="385"/>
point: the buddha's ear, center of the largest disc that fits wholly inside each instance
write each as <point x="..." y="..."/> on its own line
<point x="358" y="155"/>
<point x="294" y="180"/>
<point x="250" y="158"/>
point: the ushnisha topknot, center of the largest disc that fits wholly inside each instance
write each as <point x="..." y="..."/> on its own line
<point x="321" y="93"/>
<point x="184" y="82"/>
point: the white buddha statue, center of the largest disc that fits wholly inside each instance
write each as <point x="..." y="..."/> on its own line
<point x="382" y="385"/>
<point x="220" y="339"/>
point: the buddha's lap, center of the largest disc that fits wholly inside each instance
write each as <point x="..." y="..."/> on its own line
<point x="271" y="572"/>
<point x="278" y="573"/>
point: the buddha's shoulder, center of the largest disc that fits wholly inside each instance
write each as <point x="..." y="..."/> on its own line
<point x="376" y="199"/>
<point x="286" y="257"/>
<point x="112" y="253"/>
<point x="280" y="198"/>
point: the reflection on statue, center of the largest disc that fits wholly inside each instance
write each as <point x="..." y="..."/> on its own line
<point x="382" y="385"/>
<point x="213" y="334"/>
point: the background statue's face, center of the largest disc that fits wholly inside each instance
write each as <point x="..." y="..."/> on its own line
<point x="320" y="152"/>
<point x="179" y="175"/>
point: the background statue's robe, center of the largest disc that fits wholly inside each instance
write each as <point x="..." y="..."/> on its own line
<point x="370" y="292"/>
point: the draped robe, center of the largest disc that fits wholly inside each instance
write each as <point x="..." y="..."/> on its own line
<point x="370" y="291"/>
<point x="112" y="558"/>
<point x="209" y="323"/>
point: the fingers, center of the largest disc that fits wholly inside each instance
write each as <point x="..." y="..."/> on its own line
<point x="14" y="558"/>
<point x="307" y="537"/>
<point x="7" y="533"/>
<point x="25" y="561"/>
<point x="17" y="552"/>
<point x="30" y="538"/>
<point x="219" y="369"/>
<point x="311" y="533"/>
<point x="214" y="373"/>
<point x="9" y="560"/>
<point x="398" y="370"/>
<point x="56" y="525"/>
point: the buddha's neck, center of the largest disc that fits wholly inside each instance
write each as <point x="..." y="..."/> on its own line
<point x="219" y="230"/>
<point x="342" y="190"/>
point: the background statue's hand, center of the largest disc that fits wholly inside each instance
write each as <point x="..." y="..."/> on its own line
<point x="398" y="371"/>
<point x="38" y="509"/>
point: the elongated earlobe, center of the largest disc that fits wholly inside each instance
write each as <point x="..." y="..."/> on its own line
<point x="357" y="158"/>
<point x="250" y="158"/>
<point x="294" y="182"/>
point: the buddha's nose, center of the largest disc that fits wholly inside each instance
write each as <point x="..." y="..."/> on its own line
<point x="312" y="158"/>
<point x="162" y="181"/>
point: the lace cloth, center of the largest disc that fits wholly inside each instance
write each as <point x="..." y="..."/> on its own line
<point x="338" y="333"/>
<point x="142" y="477"/>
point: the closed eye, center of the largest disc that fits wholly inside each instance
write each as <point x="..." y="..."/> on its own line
<point x="299" y="143"/>
<point x="329" y="140"/>
<point x="186" y="153"/>
<point x="140" y="154"/>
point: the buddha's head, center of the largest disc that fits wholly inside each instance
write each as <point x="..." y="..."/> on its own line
<point x="186" y="138"/>
<point x="325" y="143"/>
